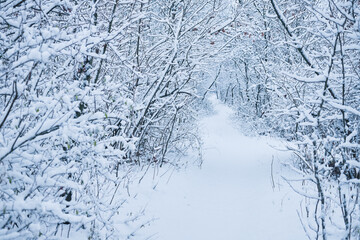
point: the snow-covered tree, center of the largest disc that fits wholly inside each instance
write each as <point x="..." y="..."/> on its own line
<point x="92" y="92"/>
<point x="303" y="72"/>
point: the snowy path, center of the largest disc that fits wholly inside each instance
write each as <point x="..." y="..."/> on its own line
<point x="231" y="197"/>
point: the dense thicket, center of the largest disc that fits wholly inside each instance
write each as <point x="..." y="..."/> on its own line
<point x="90" y="92"/>
<point x="294" y="72"/>
<point x="93" y="91"/>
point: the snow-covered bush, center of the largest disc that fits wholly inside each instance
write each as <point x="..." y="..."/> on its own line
<point x="91" y="93"/>
<point x="297" y="77"/>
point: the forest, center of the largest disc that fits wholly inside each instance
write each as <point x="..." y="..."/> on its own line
<point x="96" y="92"/>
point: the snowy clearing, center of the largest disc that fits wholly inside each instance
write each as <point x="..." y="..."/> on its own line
<point x="231" y="197"/>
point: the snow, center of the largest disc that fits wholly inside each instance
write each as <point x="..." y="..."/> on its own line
<point x="231" y="197"/>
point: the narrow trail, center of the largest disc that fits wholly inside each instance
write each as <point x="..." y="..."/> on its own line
<point x="231" y="197"/>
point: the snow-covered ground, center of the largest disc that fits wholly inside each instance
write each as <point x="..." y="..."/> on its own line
<point x="231" y="197"/>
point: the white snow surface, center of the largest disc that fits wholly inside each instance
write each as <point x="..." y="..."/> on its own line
<point x="231" y="197"/>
